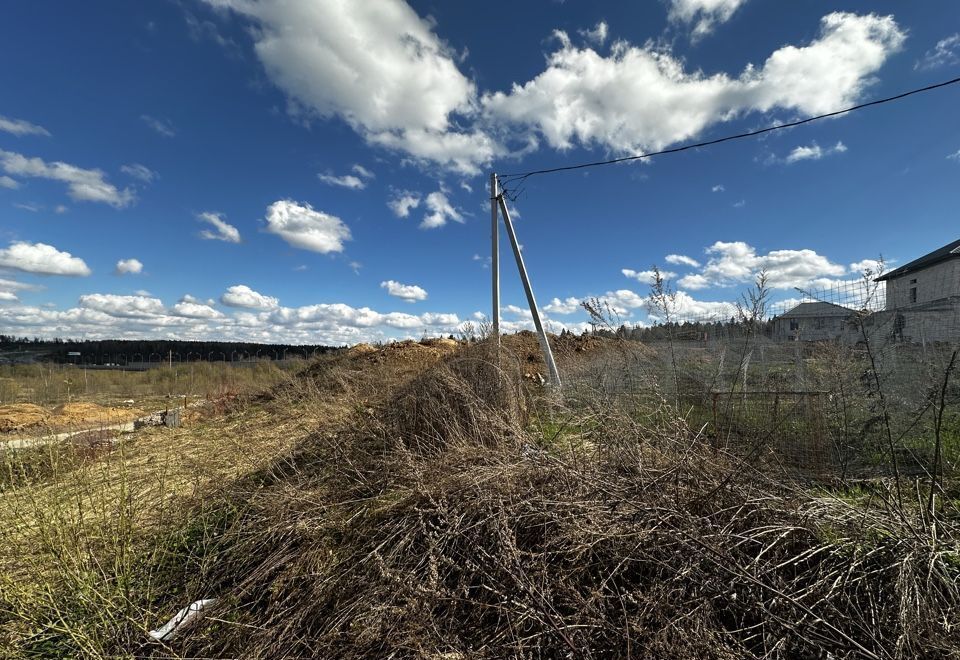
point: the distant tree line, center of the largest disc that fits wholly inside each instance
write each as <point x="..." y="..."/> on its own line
<point x="118" y="351"/>
<point x="686" y="330"/>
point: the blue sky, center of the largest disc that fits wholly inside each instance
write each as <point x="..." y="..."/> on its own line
<point x="315" y="172"/>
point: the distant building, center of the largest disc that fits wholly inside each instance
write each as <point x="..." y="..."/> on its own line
<point x="932" y="277"/>
<point x="812" y="321"/>
<point x="923" y="297"/>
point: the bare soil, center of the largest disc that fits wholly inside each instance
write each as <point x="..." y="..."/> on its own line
<point x="18" y="417"/>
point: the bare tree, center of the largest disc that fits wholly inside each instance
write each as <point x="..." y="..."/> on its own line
<point x="662" y="302"/>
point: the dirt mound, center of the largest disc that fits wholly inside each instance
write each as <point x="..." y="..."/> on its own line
<point x="83" y="414"/>
<point x="444" y="522"/>
<point x="527" y="344"/>
<point x="19" y="416"/>
<point x="403" y="351"/>
<point x="65" y="417"/>
<point x="569" y="343"/>
<point x="366" y="373"/>
<point x="443" y="342"/>
<point x="568" y="350"/>
<point x="430" y="350"/>
<point x="361" y="349"/>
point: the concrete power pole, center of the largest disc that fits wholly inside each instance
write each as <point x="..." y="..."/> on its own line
<point x="554" y="374"/>
<point x="495" y="258"/>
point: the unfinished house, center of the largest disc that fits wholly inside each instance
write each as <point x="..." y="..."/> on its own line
<point x="935" y="276"/>
<point x="812" y="321"/>
<point x="923" y="297"/>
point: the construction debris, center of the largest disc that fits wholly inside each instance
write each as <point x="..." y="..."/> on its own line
<point x="181" y="620"/>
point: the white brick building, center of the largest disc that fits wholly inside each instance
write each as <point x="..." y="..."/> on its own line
<point x="812" y="321"/>
<point x="930" y="278"/>
<point x="923" y="298"/>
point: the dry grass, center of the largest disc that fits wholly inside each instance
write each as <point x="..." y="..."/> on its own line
<point x="94" y="533"/>
<point x="77" y="531"/>
<point x="50" y="384"/>
<point x="452" y="510"/>
<point x="447" y="523"/>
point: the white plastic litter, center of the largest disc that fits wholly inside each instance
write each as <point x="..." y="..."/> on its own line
<point x="181" y="620"/>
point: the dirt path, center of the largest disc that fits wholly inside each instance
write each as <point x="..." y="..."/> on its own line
<point x="40" y="440"/>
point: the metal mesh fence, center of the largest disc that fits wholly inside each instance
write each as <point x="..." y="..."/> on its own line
<point x="843" y="382"/>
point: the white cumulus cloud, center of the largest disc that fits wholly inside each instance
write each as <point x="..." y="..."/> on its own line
<point x="129" y="266"/>
<point x="362" y="171"/>
<point x="872" y="266"/>
<point x="300" y="225"/>
<point x="222" y="230"/>
<point x="41" y="259"/>
<point x="565" y="306"/>
<point x="682" y="260"/>
<point x="945" y="53"/>
<point x="733" y="263"/>
<point x="642" y="98"/>
<point x="160" y="126"/>
<point x="598" y="35"/>
<point x="82" y="184"/>
<point x="703" y="14"/>
<point x="685" y="306"/>
<point x="403" y="202"/>
<point x="408" y="292"/>
<point x="344" y="181"/>
<point x="123" y="306"/>
<point x="813" y="152"/>
<point x="439" y="211"/>
<point x="241" y="295"/>
<point x="356" y="181"/>
<point x="138" y="171"/>
<point x="191" y="308"/>
<point x="378" y="66"/>
<point x="647" y="276"/>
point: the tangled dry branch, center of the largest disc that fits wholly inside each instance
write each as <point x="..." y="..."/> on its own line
<point x="464" y="517"/>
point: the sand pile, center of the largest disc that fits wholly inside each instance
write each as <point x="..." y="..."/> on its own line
<point x="427" y="351"/>
<point x="70" y="415"/>
<point x="65" y="417"/>
<point x="21" y="415"/>
<point x="361" y="349"/>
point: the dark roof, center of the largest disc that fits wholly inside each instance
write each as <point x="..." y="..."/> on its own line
<point x="816" y="309"/>
<point x="949" y="251"/>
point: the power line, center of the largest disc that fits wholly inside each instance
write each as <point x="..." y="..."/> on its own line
<point x="521" y="176"/>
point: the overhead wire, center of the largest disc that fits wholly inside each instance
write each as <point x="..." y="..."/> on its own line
<point x="523" y="176"/>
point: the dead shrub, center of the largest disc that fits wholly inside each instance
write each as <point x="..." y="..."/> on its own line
<point x="466" y="401"/>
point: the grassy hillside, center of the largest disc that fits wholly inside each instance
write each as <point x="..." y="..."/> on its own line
<point x="433" y="500"/>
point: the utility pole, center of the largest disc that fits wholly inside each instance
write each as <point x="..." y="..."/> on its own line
<point x="495" y="258"/>
<point x="552" y="371"/>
